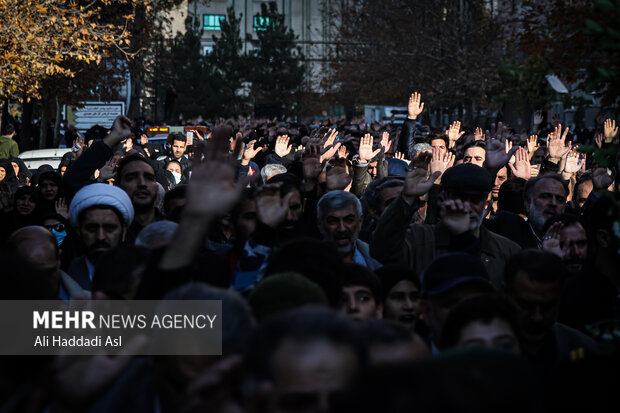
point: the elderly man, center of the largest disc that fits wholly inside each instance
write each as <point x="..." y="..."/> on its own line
<point x="37" y="247"/>
<point x="545" y="196"/>
<point x="100" y="214"/>
<point x="466" y="188"/>
<point x="340" y="218"/>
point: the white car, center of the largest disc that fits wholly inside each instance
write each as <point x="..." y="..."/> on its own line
<point x="38" y="157"/>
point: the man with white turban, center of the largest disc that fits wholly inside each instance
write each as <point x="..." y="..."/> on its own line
<point x="100" y="214"/>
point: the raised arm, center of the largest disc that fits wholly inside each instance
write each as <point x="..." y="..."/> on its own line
<point x="388" y="243"/>
<point x="79" y="172"/>
<point x="212" y="192"/>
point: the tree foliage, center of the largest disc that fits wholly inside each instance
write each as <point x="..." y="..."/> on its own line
<point x="190" y="76"/>
<point x="603" y="26"/>
<point x="578" y="41"/>
<point x="50" y="39"/>
<point x="229" y="65"/>
<point x="446" y="49"/>
<point x="276" y="70"/>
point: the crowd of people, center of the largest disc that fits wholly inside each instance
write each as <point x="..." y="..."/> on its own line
<point x="361" y="267"/>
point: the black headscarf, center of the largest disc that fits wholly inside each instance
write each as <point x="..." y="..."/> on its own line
<point x="24" y="173"/>
<point x="44" y="205"/>
<point x="9" y="184"/>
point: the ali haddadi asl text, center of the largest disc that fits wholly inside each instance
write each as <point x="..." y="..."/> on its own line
<point x="77" y="341"/>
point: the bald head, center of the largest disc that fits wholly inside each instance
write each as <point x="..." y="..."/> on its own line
<point x="28" y="240"/>
<point x="36" y="248"/>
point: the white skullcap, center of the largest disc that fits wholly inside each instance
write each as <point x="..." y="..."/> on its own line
<point x="101" y="194"/>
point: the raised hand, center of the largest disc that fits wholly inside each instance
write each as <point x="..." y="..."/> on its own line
<point x="282" y="146"/>
<point x="496" y="155"/>
<point x="448" y="159"/>
<point x="311" y="161"/>
<point x="598" y="139"/>
<point x="212" y="190"/>
<point x="250" y="152"/>
<point x="198" y="136"/>
<point x="61" y="208"/>
<point x="416" y="182"/>
<point x="329" y="138"/>
<point x="78" y="147"/>
<point x="329" y="148"/>
<point x="107" y="171"/>
<point x="271" y="208"/>
<point x="415" y="106"/>
<point x="479" y="135"/>
<point x="386" y="143"/>
<point x="454" y="131"/>
<point x="537" y="118"/>
<point x="365" y="151"/>
<point x="454" y="215"/>
<point x="441" y="160"/>
<point x="121" y="129"/>
<point x="122" y="126"/>
<point x="337" y="177"/>
<point x="400" y="156"/>
<point x="556" y="143"/>
<point x="532" y="145"/>
<point x="573" y="163"/>
<point x="611" y="130"/>
<point x="521" y="167"/>
<point x="342" y="152"/>
<point x="551" y="240"/>
<point x="329" y="153"/>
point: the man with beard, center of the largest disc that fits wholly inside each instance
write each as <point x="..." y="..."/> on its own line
<point x="500" y="178"/>
<point x="279" y="218"/>
<point x="136" y="176"/>
<point x="573" y="241"/>
<point x="101" y="214"/>
<point x="591" y="299"/>
<point x="294" y="220"/>
<point x="465" y="189"/>
<point x="545" y="196"/>
<point x="178" y="145"/>
<point x="340" y="218"/>
<point x="534" y="280"/>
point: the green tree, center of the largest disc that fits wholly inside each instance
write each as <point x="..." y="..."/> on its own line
<point x="184" y="69"/>
<point x="229" y="65"/>
<point x="276" y="68"/>
<point x="446" y="49"/>
<point x="604" y="68"/>
<point x="578" y="41"/>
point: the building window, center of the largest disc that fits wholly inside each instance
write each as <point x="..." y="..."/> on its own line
<point x="212" y="21"/>
<point x="260" y="23"/>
